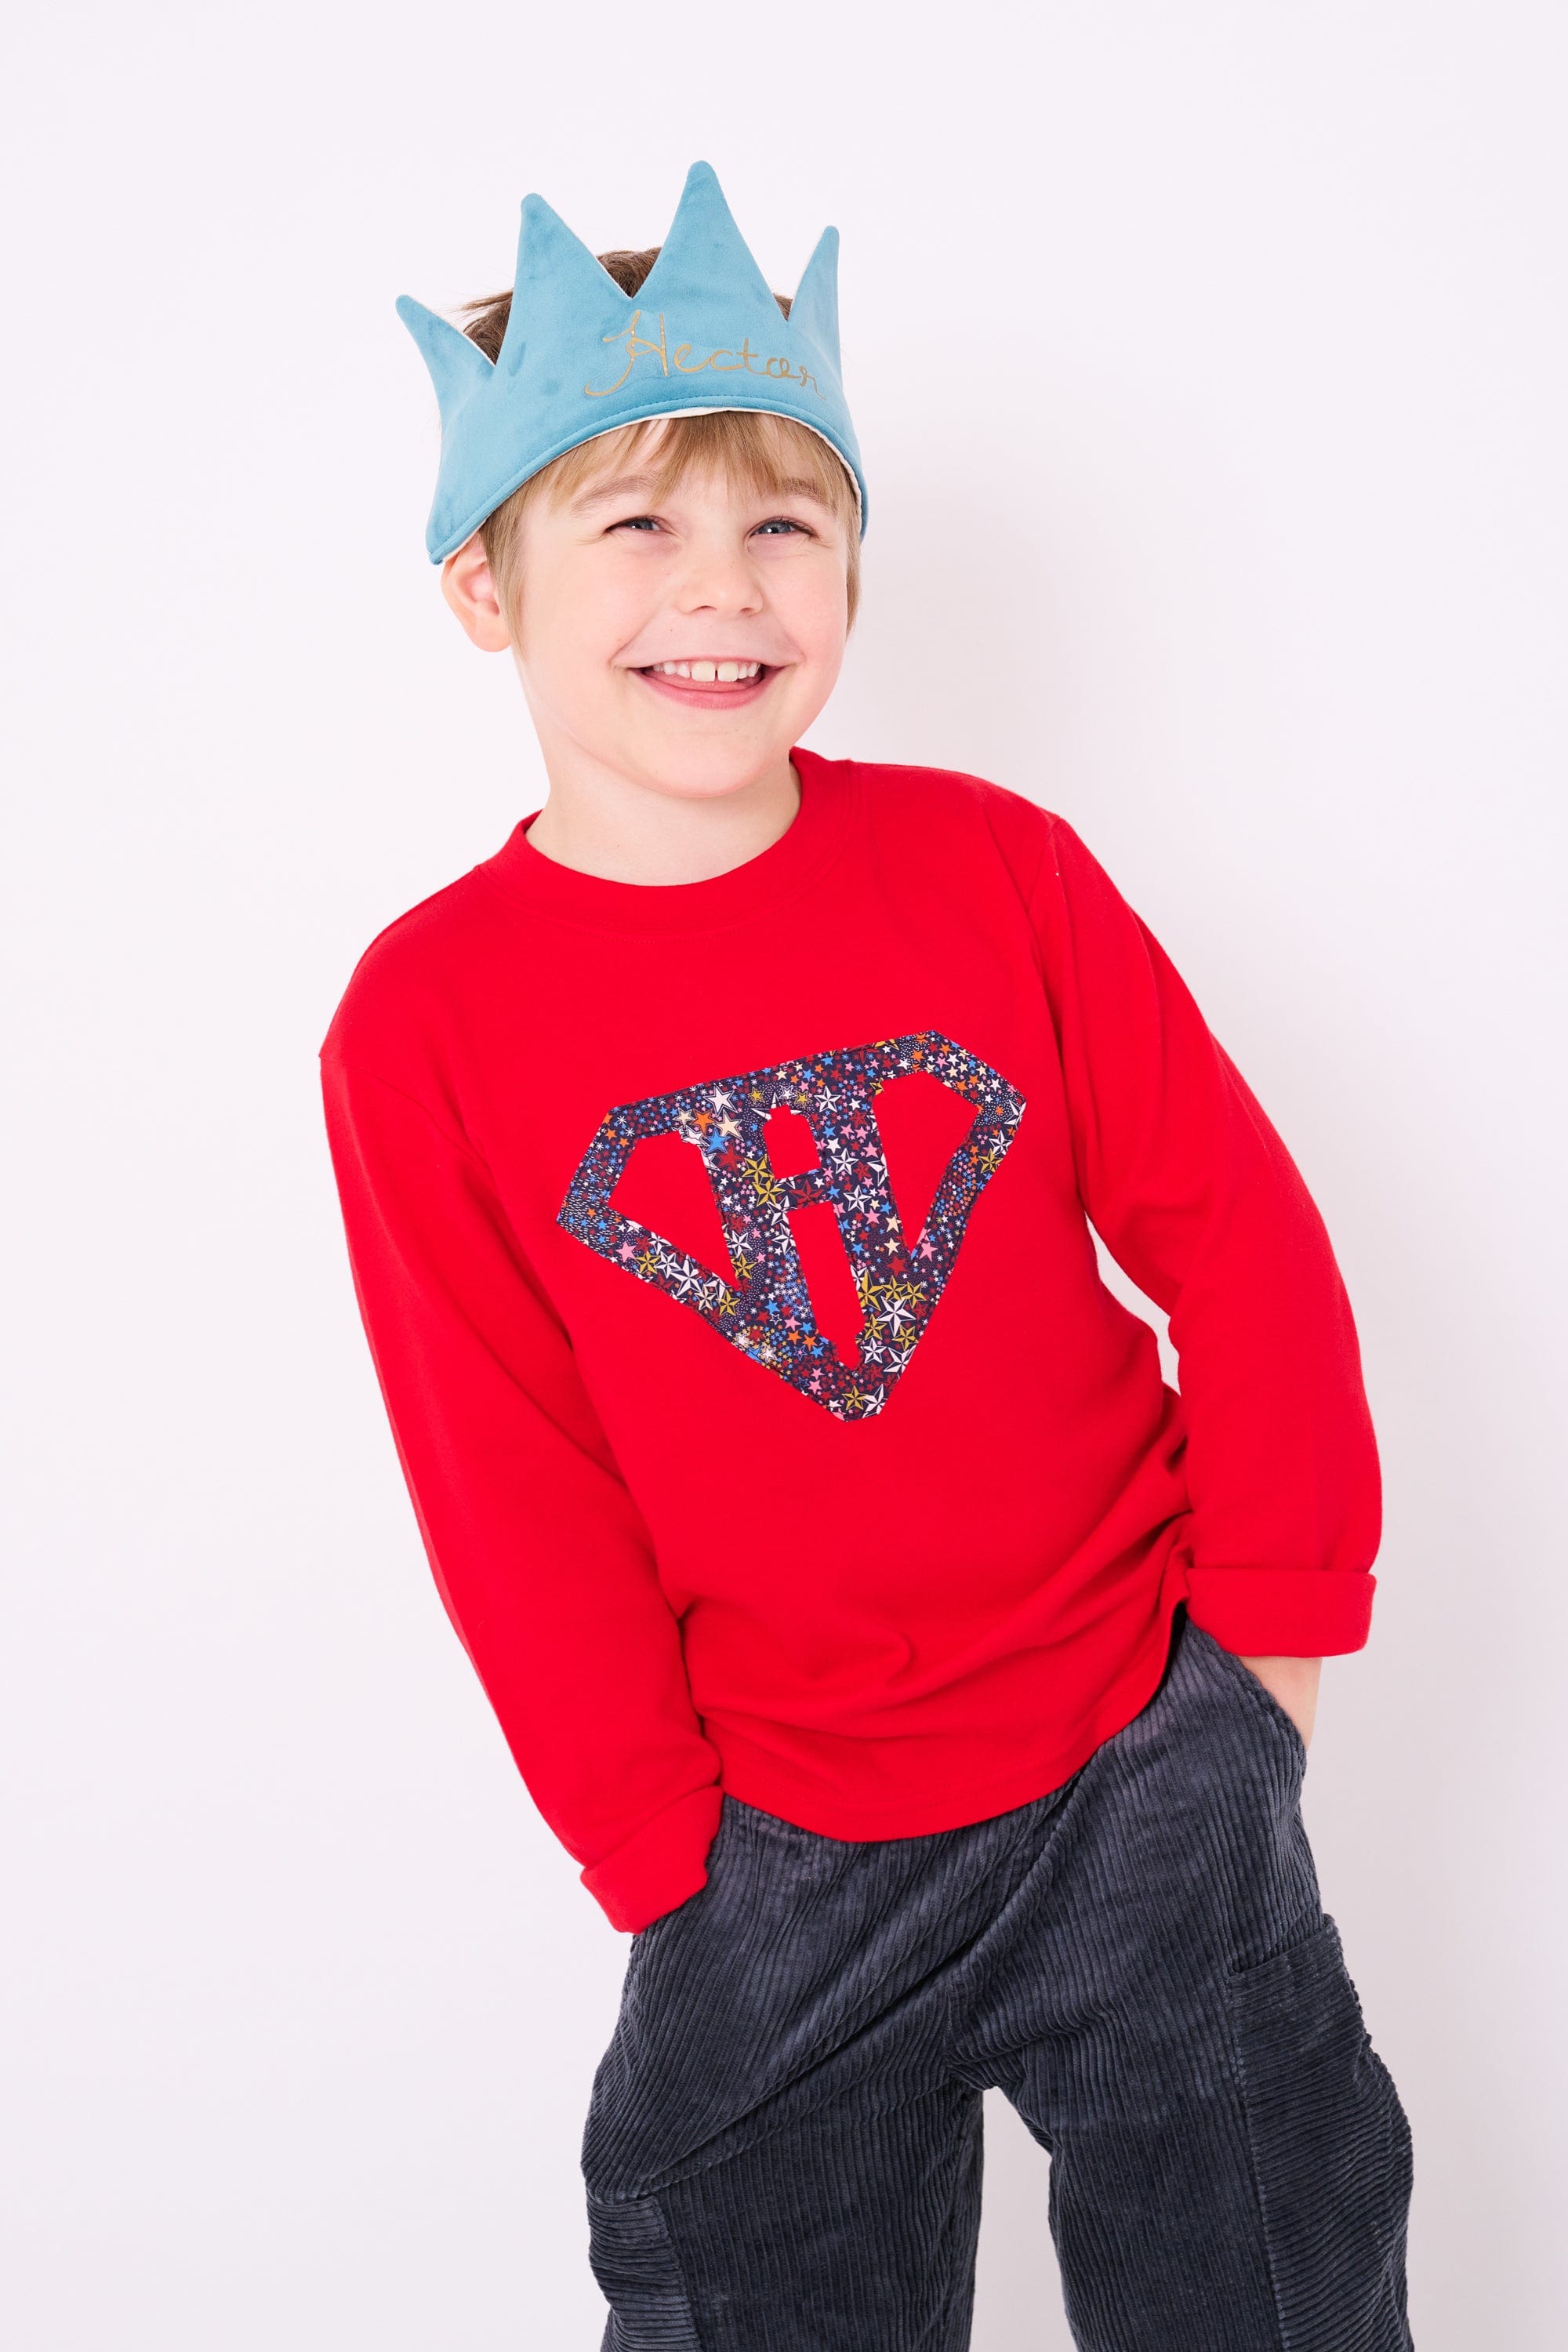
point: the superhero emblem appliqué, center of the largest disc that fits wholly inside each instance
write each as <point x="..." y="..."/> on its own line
<point x="767" y="1312"/>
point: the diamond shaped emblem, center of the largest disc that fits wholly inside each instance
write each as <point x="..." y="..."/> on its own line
<point x="765" y="1312"/>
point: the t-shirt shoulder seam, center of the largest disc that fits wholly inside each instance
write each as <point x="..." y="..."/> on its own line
<point x="1050" y="855"/>
<point x="1027" y="887"/>
<point x="986" y="792"/>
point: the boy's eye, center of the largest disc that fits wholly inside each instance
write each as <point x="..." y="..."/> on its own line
<point x="783" y="523"/>
<point x="636" y="523"/>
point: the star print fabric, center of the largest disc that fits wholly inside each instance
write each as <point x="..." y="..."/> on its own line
<point x="767" y="1311"/>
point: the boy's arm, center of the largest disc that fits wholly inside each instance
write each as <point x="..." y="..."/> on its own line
<point x="1195" y="1195"/>
<point x="538" y="1553"/>
<point x="1293" y="1683"/>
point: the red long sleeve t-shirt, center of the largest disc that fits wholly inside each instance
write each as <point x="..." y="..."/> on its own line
<point x="724" y="1250"/>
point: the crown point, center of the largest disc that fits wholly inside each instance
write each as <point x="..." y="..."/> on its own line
<point x="457" y="366"/>
<point x="554" y="267"/>
<point x="813" y="312"/>
<point x="704" y="247"/>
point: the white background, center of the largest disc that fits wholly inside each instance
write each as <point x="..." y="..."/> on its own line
<point x="1209" y="366"/>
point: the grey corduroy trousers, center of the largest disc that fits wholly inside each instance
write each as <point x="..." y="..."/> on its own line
<point x="783" y="2151"/>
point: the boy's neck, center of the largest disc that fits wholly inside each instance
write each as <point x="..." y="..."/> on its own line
<point x="598" y="823"/>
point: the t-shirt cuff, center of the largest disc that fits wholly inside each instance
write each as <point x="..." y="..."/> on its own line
<point x="1285" y="1613"/>
<point x="660" y="1864"/>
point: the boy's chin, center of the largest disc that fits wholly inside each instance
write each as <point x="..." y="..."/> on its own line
<point x="695" y="763"/>
<point x="705" y="753"/>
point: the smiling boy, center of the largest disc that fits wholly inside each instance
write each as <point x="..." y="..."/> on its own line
<point x="920" y="1681"/>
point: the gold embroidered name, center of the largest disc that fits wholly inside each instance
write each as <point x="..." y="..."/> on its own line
<point x="678" y="361"/>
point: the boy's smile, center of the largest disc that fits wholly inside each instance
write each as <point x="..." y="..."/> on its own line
<point x="702" y="682"/>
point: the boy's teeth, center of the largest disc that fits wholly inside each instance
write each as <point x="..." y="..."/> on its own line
<point x="710" y="673"/>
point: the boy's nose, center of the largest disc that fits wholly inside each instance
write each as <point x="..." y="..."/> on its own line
<point x="715" y="579"/>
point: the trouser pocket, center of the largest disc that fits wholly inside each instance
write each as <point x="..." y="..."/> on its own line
<point x="634" y="2259"/>
<point x="1254" y="1692"/>
<point x="1330" y="2150"/>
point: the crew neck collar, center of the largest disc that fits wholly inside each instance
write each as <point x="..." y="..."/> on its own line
<point x="813" y="836"/>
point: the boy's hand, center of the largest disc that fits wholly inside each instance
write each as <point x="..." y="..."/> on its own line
<point x="1293" y="1682"/>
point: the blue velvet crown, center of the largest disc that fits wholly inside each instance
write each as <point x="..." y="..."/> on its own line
<point x="581" y="358"/>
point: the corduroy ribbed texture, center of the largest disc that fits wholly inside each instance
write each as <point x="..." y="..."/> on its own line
<point x="783" y="2148"/>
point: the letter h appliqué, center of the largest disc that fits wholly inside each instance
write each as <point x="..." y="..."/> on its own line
<point x="766" y="1311"/>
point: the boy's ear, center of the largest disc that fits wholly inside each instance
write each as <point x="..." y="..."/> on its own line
<point x="468" y="586"/>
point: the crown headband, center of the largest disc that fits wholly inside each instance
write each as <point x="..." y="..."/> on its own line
<point x="580" y="358"/>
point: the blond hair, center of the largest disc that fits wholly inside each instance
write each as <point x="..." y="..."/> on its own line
<point x="752" y="449"/>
